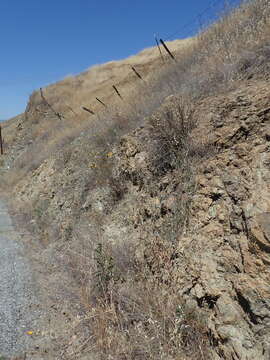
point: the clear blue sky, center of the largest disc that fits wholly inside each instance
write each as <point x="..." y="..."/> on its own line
<point x="42" y="41"/>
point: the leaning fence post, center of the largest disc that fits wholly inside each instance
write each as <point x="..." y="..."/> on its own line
<point x="1" y="141"/>
<point x="136" y="72"/>
<point x="101" y="102"/>
<point x="167" y="49"/>
<point x="88" y="110"/>
<point x="160" y="52"/>
<point x="117" y="92"/>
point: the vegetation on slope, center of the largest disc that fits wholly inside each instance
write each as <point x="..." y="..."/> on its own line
<point x="79" y="175"/>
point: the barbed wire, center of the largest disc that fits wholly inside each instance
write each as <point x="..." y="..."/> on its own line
<point x="195" y="19"/>
<point x="227" y="6"/>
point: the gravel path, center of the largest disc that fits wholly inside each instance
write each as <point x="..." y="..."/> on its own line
<point x="19" y="307"/>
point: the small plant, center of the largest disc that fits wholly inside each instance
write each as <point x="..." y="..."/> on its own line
<point x="105" y="272"/>
<point x="38" y="212"/>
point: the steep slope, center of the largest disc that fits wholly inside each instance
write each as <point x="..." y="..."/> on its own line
<point x="152" y="219"/>
<point x="32" y="136"/>
<point x="205" y="220"/>
<point x="220" y="264"/>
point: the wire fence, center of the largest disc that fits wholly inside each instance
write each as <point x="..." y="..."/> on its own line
<point x="203" y="19"/>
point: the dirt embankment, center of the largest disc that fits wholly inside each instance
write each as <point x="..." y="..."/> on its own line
<point x="213" y="212"/>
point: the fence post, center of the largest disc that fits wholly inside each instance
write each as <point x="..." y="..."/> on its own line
<point x="1" y="141"/>
<point x="167" y="49"/>
<point x="101" y="102"/>
<point x="88" y="110"/>
<point x="117" y="92"/>
<point x="136" y="72"/>
<point x="160" y="52"/>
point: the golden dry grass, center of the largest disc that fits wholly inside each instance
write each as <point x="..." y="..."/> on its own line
<point x="98" y="80"/>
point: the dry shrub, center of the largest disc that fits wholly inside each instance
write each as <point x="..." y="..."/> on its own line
<point x="170" y="131"/>
<point x="175" y="151"/>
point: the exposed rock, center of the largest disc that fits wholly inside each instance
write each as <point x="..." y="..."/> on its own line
<point x="227" y="242"/>
<point x="224" y="244"/>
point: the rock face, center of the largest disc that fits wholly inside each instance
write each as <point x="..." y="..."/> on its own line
<point x="224" y="242"/>
<point x="225" y="246"/>
<point x="229" y="227"/>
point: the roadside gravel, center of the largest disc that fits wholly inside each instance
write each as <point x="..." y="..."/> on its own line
<point x="19" y="306"/>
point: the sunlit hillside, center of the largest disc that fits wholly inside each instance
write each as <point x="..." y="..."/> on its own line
<point x="82" y="90"/>
<point x="150" y="213"/>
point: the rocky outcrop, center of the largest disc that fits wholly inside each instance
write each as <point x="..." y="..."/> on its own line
<point x="225" y="244"/>
<point x="213" y="207"/>
<point x="228" y="235"/>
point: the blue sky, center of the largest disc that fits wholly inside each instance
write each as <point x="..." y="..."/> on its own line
<point x="42" y="41"/>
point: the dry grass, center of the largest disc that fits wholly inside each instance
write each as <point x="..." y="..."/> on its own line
<point x="154" y="326"/>
<point x="135" y="307"/>
<point x="98" y="80"/>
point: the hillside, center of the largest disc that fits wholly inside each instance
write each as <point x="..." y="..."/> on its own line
<point x="40" y="127"/>
<point x="150" y="219"/>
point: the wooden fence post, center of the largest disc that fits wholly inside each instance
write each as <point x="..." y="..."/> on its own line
<point x="60" y="116"/>
<point x="136" y="72"/>
<point x="88" y="110"/>
<point x="160" y="52"/>
<point x="117" y="92"/>
<point x="101" y="102"/>
<point x="1" y="141"/>
<point x="167" y="49"/>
